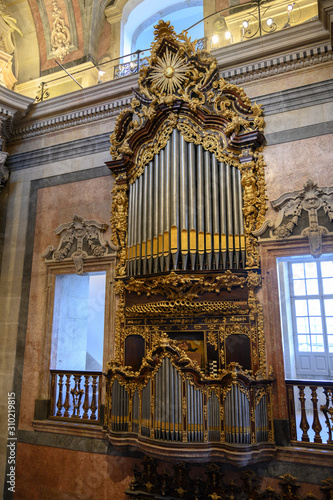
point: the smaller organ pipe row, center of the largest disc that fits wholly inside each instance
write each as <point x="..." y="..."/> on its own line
<point x="261" y="420"/>
<point x="185" y="212"/>
<point x="164" y="419"/>
<point x="120" y="406"/>
<point x="213" y="409"/>
<point x="168" y="403"/>
<point x="194" y="414"/>
<point x="237" y="417"/>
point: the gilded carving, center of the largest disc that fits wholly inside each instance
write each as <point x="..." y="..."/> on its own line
<point x="181" y="307"/>
<point x="119" y="217"/>
<point x="180" y="89"/>
<point x="188" y="287"/>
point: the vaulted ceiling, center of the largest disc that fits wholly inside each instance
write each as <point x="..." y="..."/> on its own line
<point x="72" y="31"/>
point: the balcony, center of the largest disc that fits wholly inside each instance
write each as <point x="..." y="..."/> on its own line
<point x="310" y="406"/>
<point x="225" y="31"/>
<point x="76" y="396"/>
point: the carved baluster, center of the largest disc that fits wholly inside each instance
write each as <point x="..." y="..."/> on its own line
<point x="67" y="403"/>
<point x="59" y="402"/>
<point x="86" y="397"/>
<point x="327" y="410"/>
<point x="94" y="405"/>
<point x="316" y="426"/>
<point x="52" y="404"/>
<point x="77" y="393"/>
<point x="292" y="415"/>
<point x="304" y="425"/>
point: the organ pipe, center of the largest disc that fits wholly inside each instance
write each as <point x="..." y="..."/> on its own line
<point x="183" y="202"/>
<point x="215" y="206"/>
<point x="185" y="212"/>
<point x="155" y="212"/>
<point x="223" y="214"/>
<point x="201" y="207"/>
<point x="150" y="210"/>
<point x="208" y="212"/>
<point x="161" y="209"/>
<point x="192" y="209"/>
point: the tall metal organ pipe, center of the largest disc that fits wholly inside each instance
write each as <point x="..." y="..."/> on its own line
<point x="185" y="212"/>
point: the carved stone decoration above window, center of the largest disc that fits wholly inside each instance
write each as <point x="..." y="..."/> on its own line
<point x="79" y="240"/>
<point x="4" y="173"/>
<point x="306" y="213"/>
<point x="60" y="35"/>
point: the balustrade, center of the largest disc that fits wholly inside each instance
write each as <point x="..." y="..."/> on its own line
<point x="310" y="406"/>
<point x="75" y="395"/>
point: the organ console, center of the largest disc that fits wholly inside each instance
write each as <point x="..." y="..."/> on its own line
<point x="189" y="376"/>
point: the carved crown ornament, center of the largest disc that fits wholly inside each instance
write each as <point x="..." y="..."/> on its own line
<point x="180" y="88"/>
<point x="80" y="240"/>
<point x="307" y="213"/>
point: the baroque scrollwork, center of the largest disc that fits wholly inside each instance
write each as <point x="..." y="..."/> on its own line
<point x="119" y="217"/>
<point x="187" y="286"/>
<point x="182" y="307"/>
<point x="79" y="240"/>
<point x="293" y="207"/>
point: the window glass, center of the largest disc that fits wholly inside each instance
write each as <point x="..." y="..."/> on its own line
<point x="78" y="322"/>
<point x="306" y="299"/>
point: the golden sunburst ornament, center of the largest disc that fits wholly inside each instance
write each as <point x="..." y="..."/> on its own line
<point x="170" y="72"/>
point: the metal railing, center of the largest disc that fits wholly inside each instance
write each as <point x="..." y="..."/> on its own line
<point x="75" y="396"/>
<point x="310" y="406"/>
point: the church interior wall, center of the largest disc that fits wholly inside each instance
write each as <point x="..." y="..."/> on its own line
<point x="60" y="171"/>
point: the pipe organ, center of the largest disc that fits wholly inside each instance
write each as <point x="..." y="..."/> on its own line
<point x="185" y="212"/>
<point x="189" y="370"/>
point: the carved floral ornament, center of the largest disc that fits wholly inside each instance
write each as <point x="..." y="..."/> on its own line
<point x="180" y="89"/>
<point x="60" y="35"/>
<point x="292" y="208"/>
<point x="79" y="240"/>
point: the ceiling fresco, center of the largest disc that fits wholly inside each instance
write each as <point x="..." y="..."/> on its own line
<point x="43" y="31"/>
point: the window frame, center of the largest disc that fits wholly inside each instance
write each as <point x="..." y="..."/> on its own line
<point x="106" y="264"/>
<point x="287" y="299"/>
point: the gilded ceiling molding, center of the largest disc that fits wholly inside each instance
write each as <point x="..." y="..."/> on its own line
<point x="298" y="216"/>
<point x="60" y="35"/>
<point x="79" y="240"/>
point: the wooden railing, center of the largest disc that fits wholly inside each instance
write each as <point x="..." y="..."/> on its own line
<point x="310" y="406"/>
<point x="75" y="395"/>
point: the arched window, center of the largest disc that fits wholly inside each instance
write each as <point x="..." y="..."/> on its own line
<point x="139" y="29"/>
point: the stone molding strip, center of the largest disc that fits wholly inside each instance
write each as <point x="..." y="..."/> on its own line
<point x="299" y="133"/>
<point x="296" y="98"/>
<point x="80" y="117"/>
<point x="278" y="102"/>
<point x="59" y="152"/>
<point x="273" y="66"/>
<point x="270" y="66"/>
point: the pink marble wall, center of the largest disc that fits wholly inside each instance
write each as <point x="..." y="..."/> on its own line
<point x="90" y="199"/>
<point x="45" y="473"/>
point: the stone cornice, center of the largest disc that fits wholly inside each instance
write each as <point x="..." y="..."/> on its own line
<point x="277" y="102"/>
<point x="238" y="64"/>
<point x="70" y="119"/>
<point x="284" y="63"/>
<point x="11" y="102"/>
